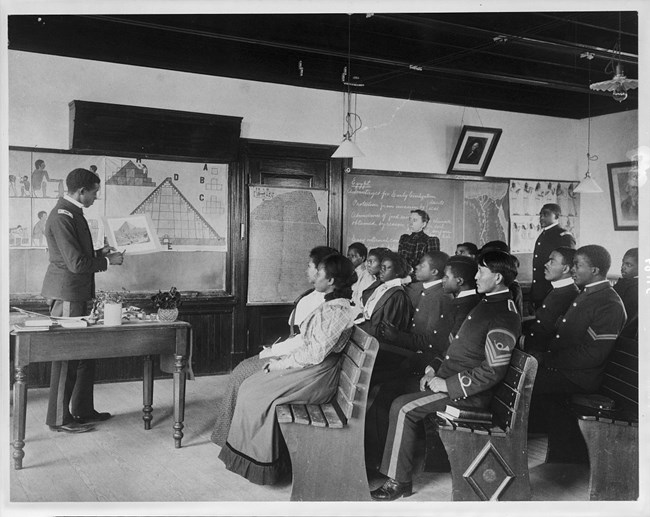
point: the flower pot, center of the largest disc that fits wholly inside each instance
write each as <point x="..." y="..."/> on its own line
<point x="112" y="314"/>
<point x="167" y="314"/>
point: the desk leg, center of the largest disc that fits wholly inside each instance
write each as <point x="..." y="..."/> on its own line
<point x="20" y="413"/>
<point x="179" y="398"/>
<point x="147" y="392"/>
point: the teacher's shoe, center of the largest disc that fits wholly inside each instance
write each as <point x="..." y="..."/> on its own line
<point x="72" y="427"/>
<point x="95" y="416"/>
<point x="392" y="490"/>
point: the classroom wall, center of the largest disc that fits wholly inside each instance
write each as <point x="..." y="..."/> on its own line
<point x="396" y="134"/>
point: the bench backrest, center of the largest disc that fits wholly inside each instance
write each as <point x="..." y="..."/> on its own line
<point x="621" y="380"/>
<point x="512" y="395"/>
<point x="357" y="362"/>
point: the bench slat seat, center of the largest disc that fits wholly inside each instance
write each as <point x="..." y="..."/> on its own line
<point x="326" y="441"/>
<point x="612" y="436"/>
<point x="491" y="462"/>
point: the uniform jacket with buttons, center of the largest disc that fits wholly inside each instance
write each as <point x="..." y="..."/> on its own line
<point x="393" y="307"/>
<point x="586" y="335"/>
<point x="479" y="355"/>
<point x="70" y="275"/>
<point x="549" y="240"/>
<point x="429" y="327"/>
<point x="538" y="333"/>
<point x="628" y="290"/>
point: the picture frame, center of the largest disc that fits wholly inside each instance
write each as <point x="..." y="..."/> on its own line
<point x="133" y="234"/>
<point x="474" y="150"/>
<point x="624" y="193"/>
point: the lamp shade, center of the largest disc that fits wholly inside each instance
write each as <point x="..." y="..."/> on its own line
<point x="347" y="149"/>
<point x="588" y="186"/>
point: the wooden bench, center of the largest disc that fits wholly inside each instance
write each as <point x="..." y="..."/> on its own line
<point x="612" y="436"/>
<point x="326" y="441"/>
<point x="490" y="462"/>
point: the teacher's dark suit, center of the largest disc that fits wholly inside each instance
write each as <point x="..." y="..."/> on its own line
<point x="69" y="285"/>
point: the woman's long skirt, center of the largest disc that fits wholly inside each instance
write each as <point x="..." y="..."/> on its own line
<point x="226" y="407"/>
<point x="255" y="448"/>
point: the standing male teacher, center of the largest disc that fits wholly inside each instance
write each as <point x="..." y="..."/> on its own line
<point x="68" y="286"/>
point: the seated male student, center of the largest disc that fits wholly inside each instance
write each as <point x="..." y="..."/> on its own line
<point x="458" y="281"/>
<point x="585" y="335"/>
<point x="428" y="328"/>
<point x="538" y="332"/>
<point x="515" y="288"/>
<point x="577" y="354"/>
<point x="627" y="286"/>
<point x="477" y="359"/>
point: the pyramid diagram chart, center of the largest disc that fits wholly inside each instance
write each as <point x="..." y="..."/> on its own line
<point x="174" y="217"/>
<point x="131" y="174"/>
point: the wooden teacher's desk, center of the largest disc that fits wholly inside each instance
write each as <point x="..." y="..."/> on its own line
<point x="94" y="342"/>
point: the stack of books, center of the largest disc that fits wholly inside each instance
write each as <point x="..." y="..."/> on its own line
<point x="34" y="324"/>
<point x="466" y="415"/>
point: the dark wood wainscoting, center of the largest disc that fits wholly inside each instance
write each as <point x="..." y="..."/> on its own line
<point x="212" y="323"/>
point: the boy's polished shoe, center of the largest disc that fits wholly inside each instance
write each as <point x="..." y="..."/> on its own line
<point x="93" y="417"/>
<point x="72" y="427"/>
<point x="392" y="490"/>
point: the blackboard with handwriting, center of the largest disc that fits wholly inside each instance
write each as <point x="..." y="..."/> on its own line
<point x="377" y="207"/>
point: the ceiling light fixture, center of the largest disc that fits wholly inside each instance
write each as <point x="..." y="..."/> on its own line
<point x="588" y="185"/>
<point x="619" y="84"/>
<point x="349" y="149"/>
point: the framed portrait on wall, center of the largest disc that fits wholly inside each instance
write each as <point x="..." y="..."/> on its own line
<point x="624" y="193"/>
<point x="474" y="150"/>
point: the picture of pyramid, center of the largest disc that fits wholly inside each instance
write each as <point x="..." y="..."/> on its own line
<point x="128" y="234"/>
<point x="174" y="216"/>
<point x="131" y="174"/>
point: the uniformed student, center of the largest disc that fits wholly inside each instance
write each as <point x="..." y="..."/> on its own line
<point x="477" y="359"/>
<point x="552" y="237"/>
<point x="69" y="285"/>
<point x="539" y="332"/>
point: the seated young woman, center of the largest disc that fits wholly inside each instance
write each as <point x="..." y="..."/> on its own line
<point x="388" y="302"/>
<point x="373" y="267"/>
<point x="304" y="305"/>
<point x="306" y="375"/>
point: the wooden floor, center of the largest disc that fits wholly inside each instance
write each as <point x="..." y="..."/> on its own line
<point x="121" y="462"/>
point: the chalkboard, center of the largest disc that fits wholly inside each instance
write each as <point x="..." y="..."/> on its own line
<point x="377" y="207"/>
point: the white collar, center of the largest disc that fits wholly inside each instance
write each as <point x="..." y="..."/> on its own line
<point x="498" y="292"/>
<point x="562" y="283"/>
<point x="596" y="283"/>
<point x="550" y="226"/>
<point x="360" y="268"/>
<point x="73" y="201"/>
<point x="392" y="283"/>
<point x="466" y="292"/>
<point x="426" y="285"/>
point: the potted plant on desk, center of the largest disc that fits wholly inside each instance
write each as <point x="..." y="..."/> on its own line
<point x="108" y="305"/>
<point x="167" y="304"/>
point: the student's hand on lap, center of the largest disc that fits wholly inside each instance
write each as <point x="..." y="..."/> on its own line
<point x="437" y="385"/>
<point x="426" y="378"/>
<point x="272" y="365"/>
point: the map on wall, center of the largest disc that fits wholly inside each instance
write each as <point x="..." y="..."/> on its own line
<point x="526" y="200"/>
<point x="285" y="224"/>
<point x="486" y="212"/>
<point x="187" y="202"/>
